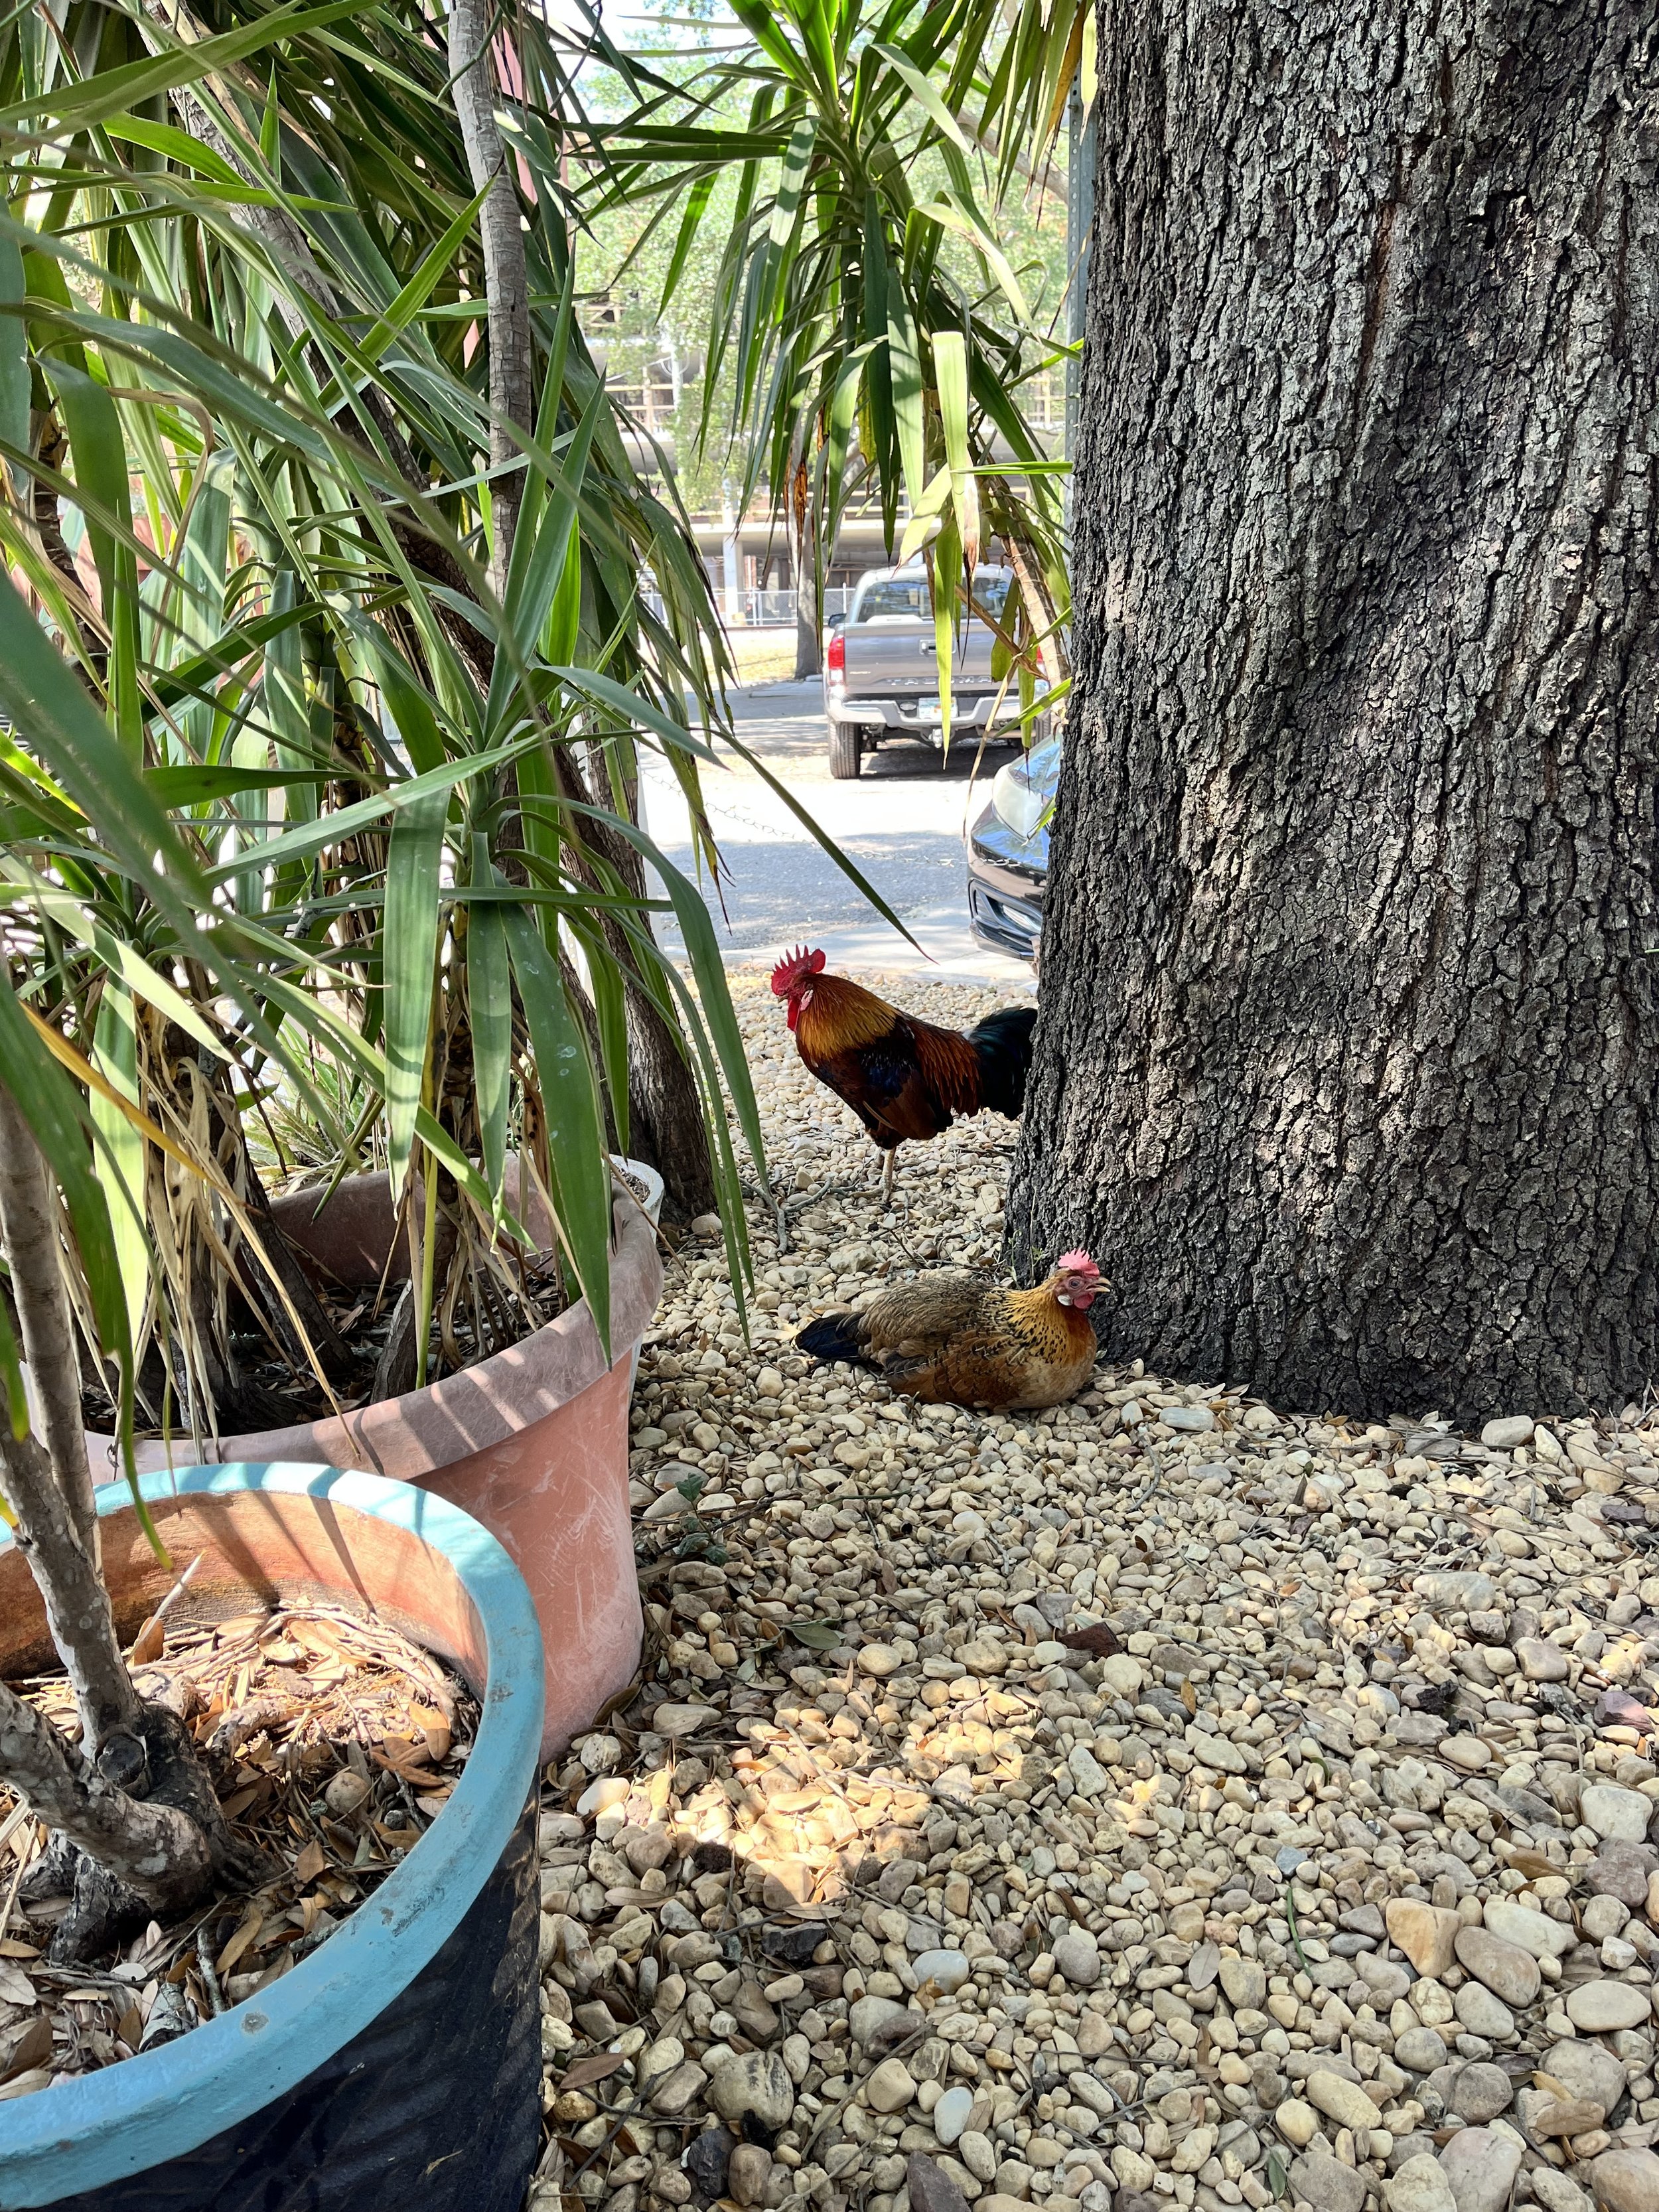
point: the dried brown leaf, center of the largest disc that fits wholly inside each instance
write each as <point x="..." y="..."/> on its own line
<point x="311" y="1862"/>
<point x="1533" y="1863"/>
<point x="411" y="1768"/>
<point x="581" y="2071"/>
<point x="1097" y="1637"/>
<point x="32" y="2048"/>
<point x="242" y="1800"/>
<point x="252" y="1921"/>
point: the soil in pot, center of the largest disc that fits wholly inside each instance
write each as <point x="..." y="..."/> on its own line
<point x="332" y="1742"/>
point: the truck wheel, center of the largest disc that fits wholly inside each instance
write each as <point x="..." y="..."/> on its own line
<point x="846" y="749"/>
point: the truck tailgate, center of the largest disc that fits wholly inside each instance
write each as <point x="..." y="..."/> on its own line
<point x="896" y="661"/>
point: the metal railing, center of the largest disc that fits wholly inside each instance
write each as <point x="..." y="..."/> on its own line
<point x="764" y="610"/>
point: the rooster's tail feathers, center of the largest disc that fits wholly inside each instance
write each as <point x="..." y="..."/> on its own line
<point x="1002" y="1045"/>
<point x="832" y="1336"/>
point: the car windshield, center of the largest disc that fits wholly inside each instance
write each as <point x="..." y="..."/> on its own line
<point x="1042" y="767"/>
<point x="896" y="598"/>
<point x="906" y="599"/>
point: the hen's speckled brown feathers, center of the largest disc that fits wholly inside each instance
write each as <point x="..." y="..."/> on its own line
<point x="951" y="1338"/>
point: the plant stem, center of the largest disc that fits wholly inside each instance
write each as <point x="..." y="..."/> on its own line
<point x="155" y="1850"/>
<point x="77" y="1605"/>
<point x="507" y="284"/>
<point x="28" y="1228"/>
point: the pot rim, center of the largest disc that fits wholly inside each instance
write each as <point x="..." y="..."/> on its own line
<point x="541" y="1374"/>
<point x="99" y="2128"/>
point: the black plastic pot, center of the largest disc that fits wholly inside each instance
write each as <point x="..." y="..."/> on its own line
<point x="397" y="2068"/>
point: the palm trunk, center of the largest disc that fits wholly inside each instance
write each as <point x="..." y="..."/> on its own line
<point x="665" y="1124"/>
<point x="77" y="1605"/>
<point x="507" y="283"/>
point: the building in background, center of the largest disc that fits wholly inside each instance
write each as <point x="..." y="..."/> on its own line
<point x="747" y="555"/>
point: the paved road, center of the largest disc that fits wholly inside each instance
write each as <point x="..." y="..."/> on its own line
<point x="901" y="822"/>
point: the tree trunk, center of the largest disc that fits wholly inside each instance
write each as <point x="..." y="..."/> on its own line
<point x="804" y="565"/>
<point x="665" y="1113"/>
<point x="155" y="1851"/>
<point x="666" y="1125"/>
<point x="1347" y="1066"/>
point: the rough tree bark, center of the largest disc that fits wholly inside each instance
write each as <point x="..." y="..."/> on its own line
<point x="1347" y="1066"/>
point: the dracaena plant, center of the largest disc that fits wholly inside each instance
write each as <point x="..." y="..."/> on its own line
<point x="327" y="669"/>
<point x="876" y="333"/>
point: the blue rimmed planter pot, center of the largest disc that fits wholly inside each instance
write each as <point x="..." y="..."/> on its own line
<point x="398" y="2067"/>
<point x="533" y="1441"/>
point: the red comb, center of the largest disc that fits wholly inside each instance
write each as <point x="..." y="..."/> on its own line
<point x="794" y="965"/>
<point x="1077" y="1263"/>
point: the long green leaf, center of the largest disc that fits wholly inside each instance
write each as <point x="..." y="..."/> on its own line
<point x="489" y="1013"/>
<point x="422" y="285"/>
<point x="578" y="1164"/>
<point x="115" y="1055"/>
<point x="309" y="836"/>
<point x="13" y="350"/>
<point x="408" y="949"/>
<point x="530" y="590"/>
<point x="39" y="695"/>
<point x="113" y="91"/>
<point x="905" y="369"/>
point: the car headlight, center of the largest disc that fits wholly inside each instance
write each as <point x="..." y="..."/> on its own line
<point x="1016" y="804"/>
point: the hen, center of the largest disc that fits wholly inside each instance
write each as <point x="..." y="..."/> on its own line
<point x="947" y="1338"/>
<point x="906" y="1080"/>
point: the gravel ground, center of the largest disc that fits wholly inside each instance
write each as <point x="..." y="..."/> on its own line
<point x="1319" y="1872"/>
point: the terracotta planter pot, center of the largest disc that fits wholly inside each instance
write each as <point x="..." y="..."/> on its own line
<point x="399" y="2064"/>
<point x="532" y="1442"/>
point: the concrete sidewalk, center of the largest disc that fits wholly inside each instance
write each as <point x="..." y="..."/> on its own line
<point x="901" y="823"/>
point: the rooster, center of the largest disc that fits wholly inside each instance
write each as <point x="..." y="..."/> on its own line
<point x="948" y="1338"/>
<point x="904" y="1078"/>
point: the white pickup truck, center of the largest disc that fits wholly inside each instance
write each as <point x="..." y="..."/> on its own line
<point x="880" y="678"/>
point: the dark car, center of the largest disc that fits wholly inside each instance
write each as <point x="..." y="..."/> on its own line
<point x="1008" y="853"/>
